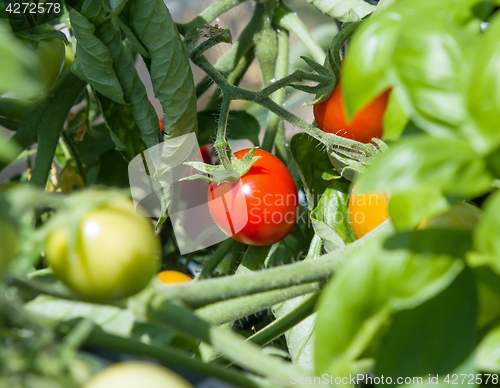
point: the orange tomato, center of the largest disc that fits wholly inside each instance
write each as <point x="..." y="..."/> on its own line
<point x="171" y="277"/>
<point x="366" y="124"/>
<point x="367" y="211"/>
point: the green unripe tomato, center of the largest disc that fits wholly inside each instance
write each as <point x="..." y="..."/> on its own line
<point x="69" y="57"/>
<point x="135" y="374"/>
<point x="50" y="53"/>
<point x="115" y="252"/>
<point x="8" y="244"/>
<point x="461" y="216"/>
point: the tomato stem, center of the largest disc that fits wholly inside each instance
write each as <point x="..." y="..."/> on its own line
<point x="239" y="308"/>
<point x="203" y="292"/>
<point x="281" y="70"/>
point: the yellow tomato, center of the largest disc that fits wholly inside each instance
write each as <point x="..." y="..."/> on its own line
<point x="367" y="211"/>
<point x="170" y="277"/>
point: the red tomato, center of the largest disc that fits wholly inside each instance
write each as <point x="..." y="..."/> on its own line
<point x="265" y="196"/>
<point x="206" y="154"/>
<point x="366" y="124"/>
<point x="367" y="211"/>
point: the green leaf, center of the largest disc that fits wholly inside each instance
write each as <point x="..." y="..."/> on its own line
<point x="8" y="150"/>
<point x="95" y="142"/>
<point x="487" y="236"/>
<point x="300" y="338"/>
<point x="366" y="291"/>
<point x="18" y="66"/>
<point x="113" y="320"/>
<point x="365" y="69"/>
<point x="134" y="91"/>
<point x="431" y="65"/>
<point x="466" y="368"/>
<point x="344" y="10"/>
<point x="122" y="127"/>
<point x="312" y="161"/>
<point x="330" y="218"/>
<point x="488" y="295"/>
<point x="420" y="170"/>
<point x="170" y="69"/>
<point x="395" y="119"/>
<point x="240" y="125"/>
<point x="266" y="42"/>
<point x="93" y="62"/>
<point x="483" y="93"/>
<point x="109" y="318"/>
<point x="434" y="337"/>
<point x="487" y="355"/>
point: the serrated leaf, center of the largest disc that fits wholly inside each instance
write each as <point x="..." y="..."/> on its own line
<point x="170" y="69"/>
<point x="330" y="218"/>
<point x="93" y="61"/>
<point x="122" y="127"/>
<point x="344" y="10"/>
<point x="266" y="43"/>
<point x="134" y="91"/>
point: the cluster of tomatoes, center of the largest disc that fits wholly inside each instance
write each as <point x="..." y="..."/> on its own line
<point x="266" y="197"/>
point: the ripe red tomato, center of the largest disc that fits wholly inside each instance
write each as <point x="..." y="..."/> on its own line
<point x="366" y="124"/>
<point x="367" y="211"/>
<point x="206" y="154"/>
<point x="265" y="196"/>
<point x="170" y="277"/>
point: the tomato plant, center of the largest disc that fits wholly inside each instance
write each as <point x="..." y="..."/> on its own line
<point x="51" y="55"/>
<point x="331" y="117"/>
<point x="112" y="253"/>
<point x="287" y="257"/>
<point x="367" y="211"/>
<point x="171" y="277"/>
<point x="265" y="196"/>
<point x="134" y="374"/>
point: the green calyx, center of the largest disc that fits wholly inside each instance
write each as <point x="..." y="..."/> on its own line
<point x="220" y="174"/>
<point x="330" y="70"/>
